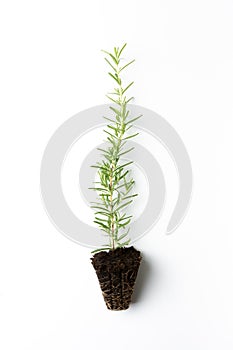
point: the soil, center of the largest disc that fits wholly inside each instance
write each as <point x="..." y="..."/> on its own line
<point x="117" y="271"/>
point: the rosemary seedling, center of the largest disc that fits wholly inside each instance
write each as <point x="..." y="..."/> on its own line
<point x="114" y="185"/>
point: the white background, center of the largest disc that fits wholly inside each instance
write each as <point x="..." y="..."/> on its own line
<point x="52" y="68"/>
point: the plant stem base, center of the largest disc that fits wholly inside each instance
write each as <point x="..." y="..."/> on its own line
<point x="117" y="271"/>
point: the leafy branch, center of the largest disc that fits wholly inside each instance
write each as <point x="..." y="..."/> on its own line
<point x="114" y="185"/>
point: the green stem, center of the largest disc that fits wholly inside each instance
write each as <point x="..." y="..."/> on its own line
<point x="114" y="162"/>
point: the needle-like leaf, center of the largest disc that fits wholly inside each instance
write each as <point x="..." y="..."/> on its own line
<point x="130" y="136"/>
<point x="128" y="87"/>
<point x="121" y="69"/>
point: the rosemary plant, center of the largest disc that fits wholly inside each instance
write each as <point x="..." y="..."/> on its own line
<point x="114" y="185"/>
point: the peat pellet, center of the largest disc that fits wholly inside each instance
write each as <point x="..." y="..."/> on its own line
<point x="117" y="271"/>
